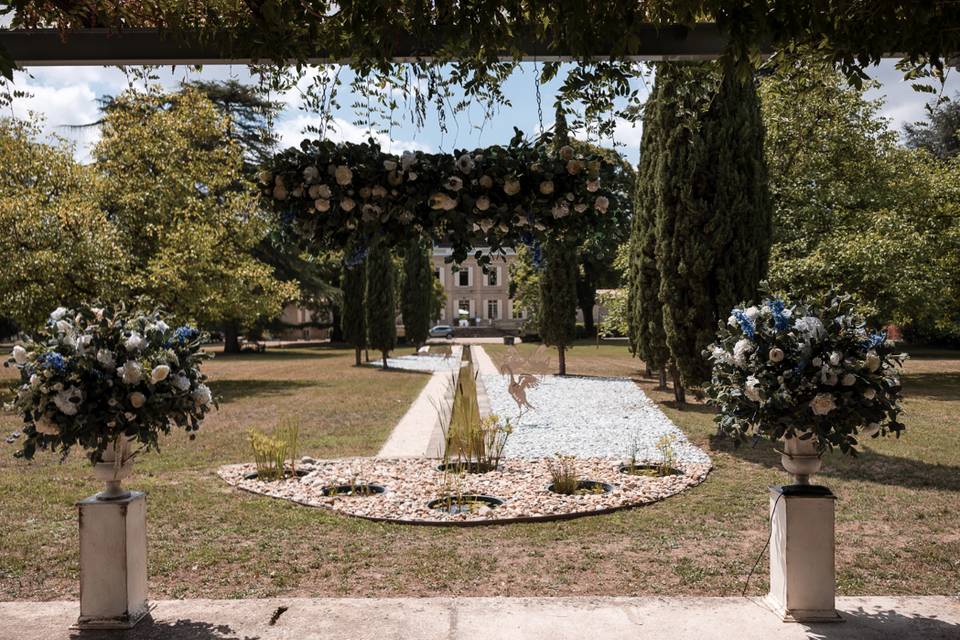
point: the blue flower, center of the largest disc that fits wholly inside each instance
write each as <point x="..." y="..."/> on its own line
<point x="356" y="258"/>
<point x="55" y="361"/>
<point x="746" y="324"/>
<point x="185" y="334"/>
<point x="875" y="340"/>
<point x="780" y="320"/>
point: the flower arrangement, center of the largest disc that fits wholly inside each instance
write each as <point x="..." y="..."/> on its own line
<point x="782" y="369"/>
<point x="98" y="373"/>
<point x="339" y="194"/>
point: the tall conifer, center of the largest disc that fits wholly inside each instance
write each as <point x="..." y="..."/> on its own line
<point x="381" y="304"/>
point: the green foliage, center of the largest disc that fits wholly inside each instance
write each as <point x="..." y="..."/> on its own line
<point x="525" y="288"/>
<point x="58" y="247"/>
<point x="940" y="133"/>
<point x="713" y="213"/>
<point x="644" y="310"/>
<point x="438" y="300"/>
<point x="854" y="212"/>
<point x="563" y="474"/>
<point x="418" y="297"/>
<point x="271" y="453"/>
<point x="558" y="296"/>
<point x="354" y="317"/>
<point x="614" y="323"/>
<point x="169" y="184"/>
<point x="380" y="300"/>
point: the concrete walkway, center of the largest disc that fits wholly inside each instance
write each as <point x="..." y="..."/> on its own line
<point x="482" y="362"/>
<point x="420" y="431"/>
<point x="871" y="618"/>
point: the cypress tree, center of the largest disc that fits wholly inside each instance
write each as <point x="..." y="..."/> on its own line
<point x="380" y="300"/>
<point x="558" y="282"/>
<point x="713" y="209"/>
<point x="353" y="315"/>
<point x="417" y="297"/>
<point x="644" y="311"/>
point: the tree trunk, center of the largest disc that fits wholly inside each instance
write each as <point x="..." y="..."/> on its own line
<point x="662" y="386"/>
<point x="231" y="337"/>
<point x="679" y="394"/>
<point x="336" y="331"/>
<point x="563" y="360"/>
<point x="384" y="359"/>
<point x="647" y="371"/>
<point x="356" y="352"/>
<point x="588" y="326"/>
<point x="366" y="354"/>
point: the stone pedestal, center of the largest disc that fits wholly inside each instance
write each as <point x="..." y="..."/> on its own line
<point x="802" y="571"/>
<point x="113" y="562"/>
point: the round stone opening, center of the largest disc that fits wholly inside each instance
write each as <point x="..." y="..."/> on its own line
<point x="465" y="504"/>
<point x="253" y="475"/>
<point x="649" y="470"/>
<point x="354" y="490"/>
<point x="585" y="488"/>
<point x="466" y="466"/>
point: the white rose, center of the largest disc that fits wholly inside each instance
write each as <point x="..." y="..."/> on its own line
<point x="390" y="165"/>
<point x="311" y="173"/>
<point x="835" y="358"/>
<point x="202" y="395"/>
<point x="593" y="185"/>
<point x="752" y="389"/>
<point x="343" y="175"/>
<point x="46" y="426"/>
<point x="321" y="204"/>
<point x="741" y="350"/>
<point x="347" y="204"/>
<point x="67" y="401"/>
<point x="601" y="204"/>
<point x="34" y="380"/>
<point x="64" y="327"/>
<point x="869" y="393"/>
<point x="131" y="372"/>
<point x="19" y="355"/>
<point x="546" y="187"/>
<point x="483" y="203"/>
<point x="485" y="181"/>
<point x="822" y="404"/>
<point x="137" y="399"/>
<point x="776" y="355"/>
<point x="58" y="314"/>
<point x="106" y="358"/>
<point x="181" y="382"/>
<point x="872" y="362"/>
<point x="752" y="313"/>
<point x="134" y="342"/>
<point x="511" y="187"/>
<point x="160" y="372"/>
<point x="848" y="380"/>
<point x="816" y="362"/>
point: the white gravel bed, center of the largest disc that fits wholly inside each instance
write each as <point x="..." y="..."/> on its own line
<point x="412" y="482"/>
<point x="587" y="417"/>
<point x="421" y="362"/>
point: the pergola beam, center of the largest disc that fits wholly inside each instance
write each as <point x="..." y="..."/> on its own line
<point x="50" y="47"/>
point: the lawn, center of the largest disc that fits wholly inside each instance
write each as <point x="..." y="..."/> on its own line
<point x="897" y="509"/>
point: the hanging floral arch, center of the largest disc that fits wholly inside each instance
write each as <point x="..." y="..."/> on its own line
<point x="346" y="195"/>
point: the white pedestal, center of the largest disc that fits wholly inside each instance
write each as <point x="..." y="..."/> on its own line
<point x="802" y="571"/>
<point x="113" y="562"/>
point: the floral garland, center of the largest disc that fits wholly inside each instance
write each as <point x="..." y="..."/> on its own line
<point x="782" y="369"/>
<point x="100" y="373"/>
<point x="349" y="195"/>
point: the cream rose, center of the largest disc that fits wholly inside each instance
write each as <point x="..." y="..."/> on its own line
<point x="343" y="175"/>
<point x="822" y="404"/>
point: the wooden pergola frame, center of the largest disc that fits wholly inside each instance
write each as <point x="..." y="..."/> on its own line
<point x="50" y="47"/>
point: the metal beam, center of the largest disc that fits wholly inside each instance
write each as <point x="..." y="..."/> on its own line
<point x="48" y="47"/>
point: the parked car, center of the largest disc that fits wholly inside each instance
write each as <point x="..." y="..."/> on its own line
<point x="441" y="331"/>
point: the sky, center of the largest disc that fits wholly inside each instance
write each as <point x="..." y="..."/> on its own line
<point x="66" y="96"/>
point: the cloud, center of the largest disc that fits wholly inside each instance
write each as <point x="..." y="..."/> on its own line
<point x="59" y="108"/>
<point x="290" y="131"/>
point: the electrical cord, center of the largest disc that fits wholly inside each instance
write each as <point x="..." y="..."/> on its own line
<point x="773" y="512"/>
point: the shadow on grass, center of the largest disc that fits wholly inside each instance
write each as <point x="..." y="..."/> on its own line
<point x="279" y="355"/>
<point x="230" y="390"/>
<point x="152" y="629"/>
<point x="932" y="386"/>
<point x="883" y="624"/>
<point x="868" y="466"/>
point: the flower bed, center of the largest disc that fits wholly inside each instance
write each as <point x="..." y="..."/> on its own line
<point x="412" y="483"/>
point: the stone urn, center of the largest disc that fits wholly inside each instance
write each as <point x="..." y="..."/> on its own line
<point x="116" y="463"/>
<point x="801" y="458"/>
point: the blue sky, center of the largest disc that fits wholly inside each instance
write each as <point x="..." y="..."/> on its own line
<point x="67" y="96"/>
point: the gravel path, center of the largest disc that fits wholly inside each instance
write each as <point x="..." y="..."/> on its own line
<point x="587" y="417"/>
<point x="424" y="362"/>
